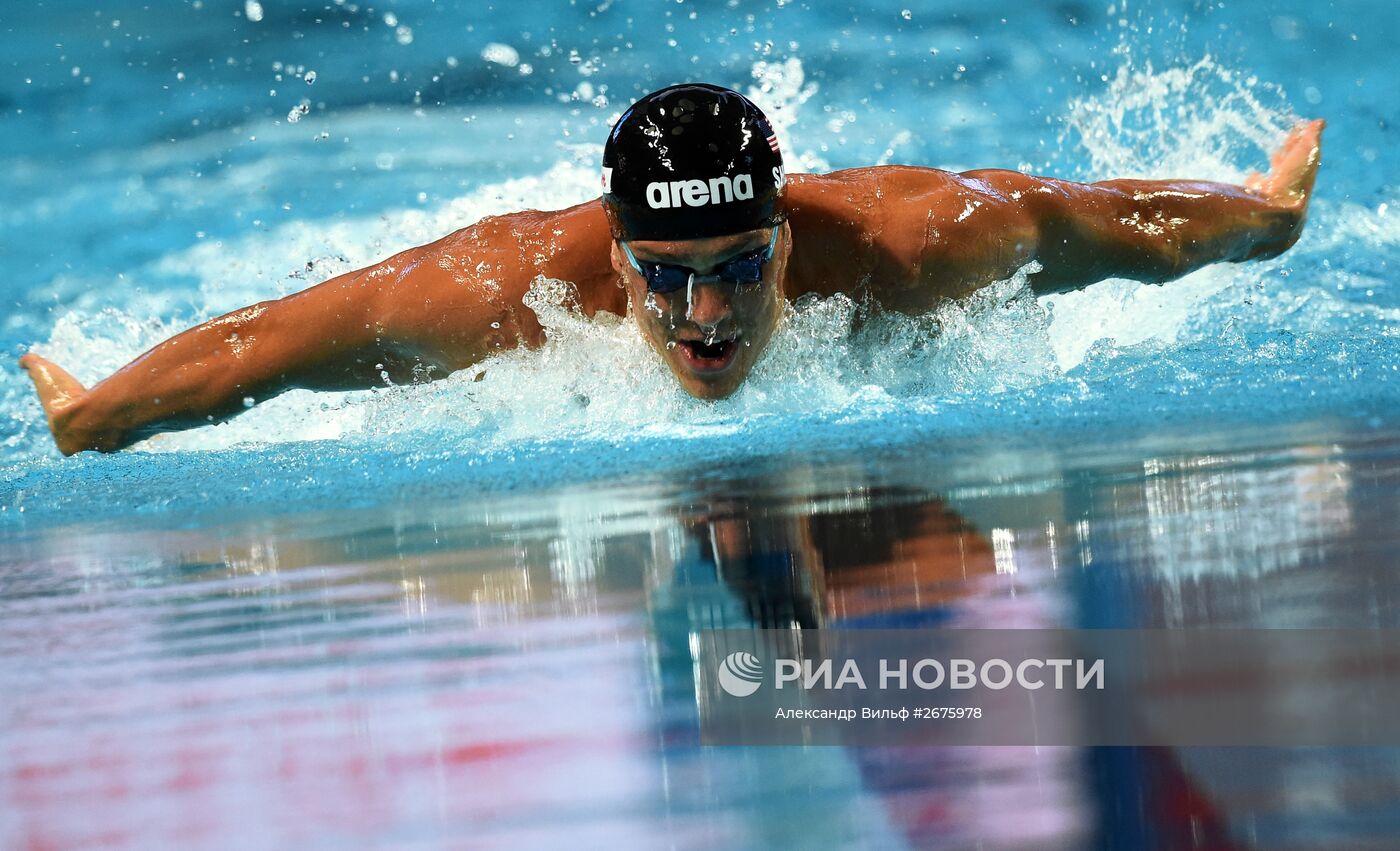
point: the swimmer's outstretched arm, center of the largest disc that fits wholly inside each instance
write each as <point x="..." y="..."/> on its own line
<point x="324" y="337"/>
<point x="1157" y="230"/>
<point x="416" y="316"/>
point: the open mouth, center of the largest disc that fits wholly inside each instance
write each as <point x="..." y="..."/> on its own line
<point x="708" y="357"/>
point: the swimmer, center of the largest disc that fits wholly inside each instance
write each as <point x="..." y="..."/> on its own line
<point x="701" y="236"/>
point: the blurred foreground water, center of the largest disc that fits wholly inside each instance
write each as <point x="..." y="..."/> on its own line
<point x="487" y="669"/>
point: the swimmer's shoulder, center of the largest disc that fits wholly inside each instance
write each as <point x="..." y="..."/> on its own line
<point x="864" y="198"/>
<point x="514" y="249"/>
<point x="841" y="230"/>
<point x="901" y="233"/>
<point x="868" y="183"/>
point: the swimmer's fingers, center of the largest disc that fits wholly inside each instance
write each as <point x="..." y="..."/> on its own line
<point x="1293" y="167"/>
<point x="1307" y="151"/>
<point x="57" y="389"/>
<point x="58" y="392"/>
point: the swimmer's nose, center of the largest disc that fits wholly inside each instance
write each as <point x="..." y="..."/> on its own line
<point x="710" y="304"/>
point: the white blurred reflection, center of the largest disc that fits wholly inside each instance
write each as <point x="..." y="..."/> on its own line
<point x="1235" y="516"/>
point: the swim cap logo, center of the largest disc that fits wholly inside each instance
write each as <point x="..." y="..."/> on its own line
<point x="607" y="179"/>
<point x="740" y="674"/>
<point x="663" y="195"/>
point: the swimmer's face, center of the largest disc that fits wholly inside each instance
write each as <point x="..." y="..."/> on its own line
<point x="712" y="343"/>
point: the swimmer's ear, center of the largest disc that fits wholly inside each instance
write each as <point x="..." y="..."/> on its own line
<point x="619" y="263"/>
<point x="785" y="242"/>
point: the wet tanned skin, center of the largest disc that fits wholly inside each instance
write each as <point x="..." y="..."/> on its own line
<point x="907" y="237"/>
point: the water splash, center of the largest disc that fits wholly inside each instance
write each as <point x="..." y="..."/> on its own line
<point x="1202" y="120"/>
<point x="780" y="91"/>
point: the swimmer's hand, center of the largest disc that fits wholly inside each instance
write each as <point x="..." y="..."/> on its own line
<point x="1292" y="172"/>
<point x="60" y="394"/>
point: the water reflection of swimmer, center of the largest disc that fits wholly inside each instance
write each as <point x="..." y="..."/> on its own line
<point x="700" y="234"/>
<point x="902" y="563"/>
<point x="899" y="563"/>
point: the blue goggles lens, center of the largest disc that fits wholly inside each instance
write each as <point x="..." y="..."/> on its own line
<point x="744" y="269"/>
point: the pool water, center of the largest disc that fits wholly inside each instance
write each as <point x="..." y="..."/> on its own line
<point x="433" y="615"/>
<point x="499" y="670"/>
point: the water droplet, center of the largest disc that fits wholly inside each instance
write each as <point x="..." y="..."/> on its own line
<point x="404" y="35"/>
<point x="906" y="14"/>
<point x="310" y="77"/>
<point x="253" y="10"/>
<point x="501" y="54"/>
<point x="248" y="402"/>
<point x="296" y="112"/>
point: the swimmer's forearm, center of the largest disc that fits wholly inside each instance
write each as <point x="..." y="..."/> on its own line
<point x="1204" y="223"/>
<point x="210" y="372"/>
<point x="1156" y="230"/>
<point x="199" y="376"/>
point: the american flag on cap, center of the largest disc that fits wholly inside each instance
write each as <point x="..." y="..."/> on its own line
<point x="772" y="139"/>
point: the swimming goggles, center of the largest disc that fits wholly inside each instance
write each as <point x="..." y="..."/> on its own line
<point x="744" y="269"/>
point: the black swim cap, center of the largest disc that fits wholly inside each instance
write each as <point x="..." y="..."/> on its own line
<point x="692" y="161"/>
